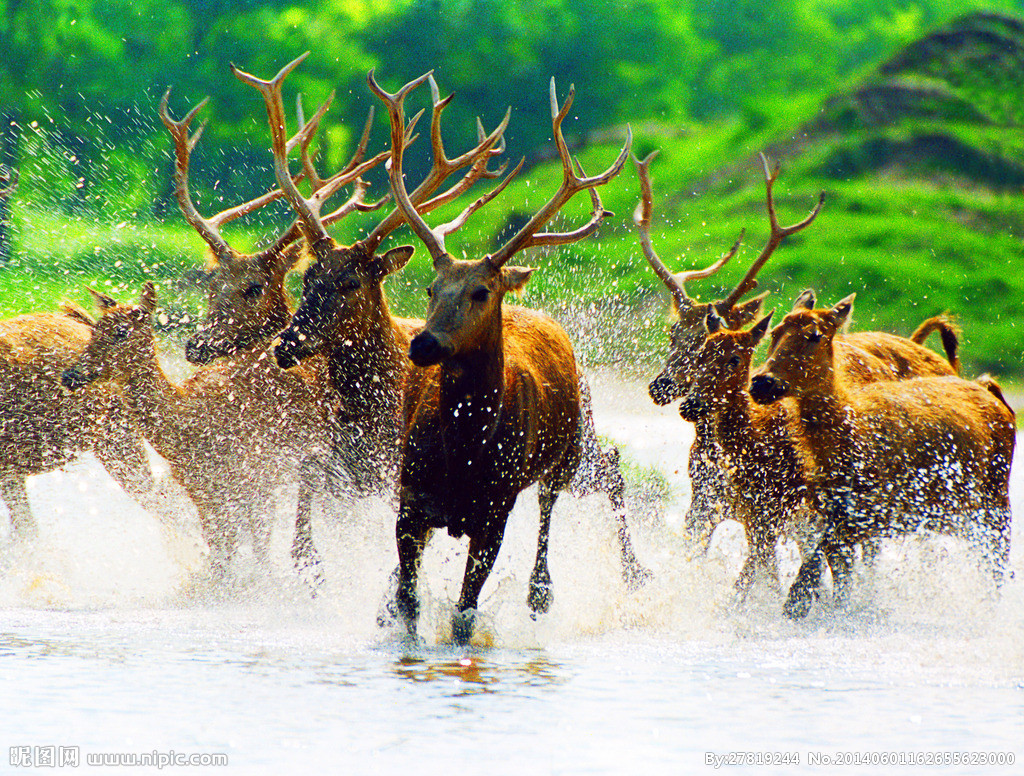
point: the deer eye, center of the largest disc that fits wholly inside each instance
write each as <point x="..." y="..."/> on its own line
<point x="430" y="292"/>
<point x="253" y="291"/>
<point x="814" y="337"/>
<point x="734" y="361"/>
<point x="480" y="294"/>
<point x="120" y="333"/>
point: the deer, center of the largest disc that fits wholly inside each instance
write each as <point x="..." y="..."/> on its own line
<point x="212" y="428"/>
<point x="494" y="403"/>
<point x="247" y="305"/>
<point x="888" y="458"/>
<point x="344" y="313"/>
<point x="871" y="355"/>
<point x="43" y="427"/>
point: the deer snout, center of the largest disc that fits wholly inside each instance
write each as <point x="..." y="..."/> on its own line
<point x="765" y="389"/>
<point x="426" y="349"/>
<point x="284" y="353"/>
<point x="663" y="390"/>
<point x="73" y="379"/>
<point x="198" y="352"/>
<point x="693" y="408"/>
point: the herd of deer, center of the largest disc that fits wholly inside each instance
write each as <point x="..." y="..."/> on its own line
<point x="837" y="439"/>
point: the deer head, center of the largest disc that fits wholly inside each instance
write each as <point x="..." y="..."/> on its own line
<point x="464" y="311"/>
<point x="722" y="365"/>
<point x="801" y="356"/>
<point x="122" y="340"/>
<point x="688" y="332"/>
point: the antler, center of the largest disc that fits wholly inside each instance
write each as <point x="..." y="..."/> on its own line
<point x="8" y="182"/>
<point x="308" y="209"/>
<point x="405" y="207"/>
<point x="642" y="218"/>
<point x="184" y="143"/>
<point x="442" y="168"/>
<point x="571" y="185"/>
<point x="357" y="200"/>
<point x="778" y="233"/>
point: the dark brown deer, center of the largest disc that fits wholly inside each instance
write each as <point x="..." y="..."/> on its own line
<point x="888" y="458"/>
<point x="43" y="427"/>
<point x="495" y="404"/>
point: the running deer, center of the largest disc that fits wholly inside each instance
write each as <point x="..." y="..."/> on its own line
<point x="495" y="403"/>
<point x="247" y="303"/>
<point x="213" y="428"/>
<point x="712" y="498"/>
<point x="344" y="313"/>
<point x="43" y="427"/>
<point x="888" y="458"/>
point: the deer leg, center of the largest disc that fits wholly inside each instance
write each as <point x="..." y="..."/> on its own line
<point x="539" y="597"/>
<point x="840" y="560"/>
<point x="745" y="580"/>
<point x="869" y="551"/>
<point x="805" y="588"/>
<point x="483" y="551"/>
<point x="14" y="494"/>
<point x="304" y="553"/>
<point x="633" y="574"/>
<point x="411" y="533"/>
<point x="123" y="454"/>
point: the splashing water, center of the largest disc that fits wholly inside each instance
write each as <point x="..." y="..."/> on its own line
<point x="115" y="641"/>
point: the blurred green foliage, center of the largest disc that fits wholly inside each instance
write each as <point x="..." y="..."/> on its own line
<point x="906" y="113"/>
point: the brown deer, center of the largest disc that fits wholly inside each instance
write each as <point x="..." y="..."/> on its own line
<point x="43" y="427"/>
<point x="212" y="428"/>
<point x="712" y="499"/>
<point x="495" y="403"/>
<point x="888" y="458"/>
<point x="247" y="303"/>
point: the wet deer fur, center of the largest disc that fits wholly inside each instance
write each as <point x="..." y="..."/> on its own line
<point x="212" y="428"/>
<point x="495" y="404"/>
<point x="43" y="427"/>
<point x="888" y="458"/>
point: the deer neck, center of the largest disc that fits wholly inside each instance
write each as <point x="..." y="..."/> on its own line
<point x="472" y="394"/>
<point x="827" y="424"/>
<point x="368" y="363"/>
<point x="151" y="396"/>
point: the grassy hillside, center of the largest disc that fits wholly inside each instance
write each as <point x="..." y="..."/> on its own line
<point x="921" y="159"/>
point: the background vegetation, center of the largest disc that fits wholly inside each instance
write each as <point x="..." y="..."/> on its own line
<point x="907" y="114"/>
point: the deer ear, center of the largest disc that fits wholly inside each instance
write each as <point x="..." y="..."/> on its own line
<point x="761" y="328"/>
<point x="841" y="312"/>
<point x="147" y="300"/>
<point x="713" y="322"/>
<point x="514" y="278"/>
<point x="748" y="310"/>
<point x="397" y="258"/>
<point x="806" y="300"/>
<point x="103" y="301"/>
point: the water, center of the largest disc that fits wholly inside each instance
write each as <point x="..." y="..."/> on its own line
<point x="112" y="642"/>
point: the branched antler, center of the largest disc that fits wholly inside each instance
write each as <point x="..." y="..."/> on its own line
<point x="676" y="283"/>
<point x="775" y="238"/>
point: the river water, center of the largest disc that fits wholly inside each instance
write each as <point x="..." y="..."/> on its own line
<point x="113" y="645"/>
